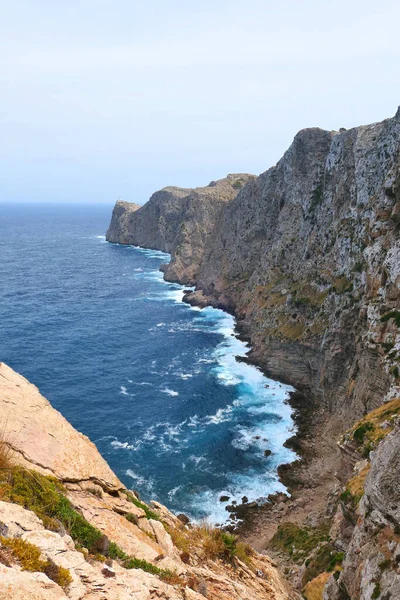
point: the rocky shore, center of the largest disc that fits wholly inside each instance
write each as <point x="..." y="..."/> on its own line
<point x="307" y="257"/>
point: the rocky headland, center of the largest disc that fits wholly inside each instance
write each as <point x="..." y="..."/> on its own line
<point x="307" y="257"/>
<point x="177" y="220"/>
<point x="70" y="529"/>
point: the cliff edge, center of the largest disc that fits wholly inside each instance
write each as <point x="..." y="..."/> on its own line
<point x="70" y="529"/>
<point x="177" y="220"/>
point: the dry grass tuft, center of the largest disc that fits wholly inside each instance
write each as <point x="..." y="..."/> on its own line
<point x="314" y="589"/>
<point x="210" y="543"/>
<point x="6" y="451"/>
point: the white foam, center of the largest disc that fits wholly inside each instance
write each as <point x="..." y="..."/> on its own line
<point x="193" y="421"/>
<point x="172" y="492"/>
<point x="169" y="392"/>
<point x="221" y="416"/>
<point x="184" y="375"/>
<point x="123" y="391"/>
<point x="145" y="483"/>
<point x="123" y="445"/>
<point x="196" y="459"/>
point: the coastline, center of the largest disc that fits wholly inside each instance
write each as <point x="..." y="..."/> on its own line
<point x="310" y="479"/>
<point x="233" y="511"/>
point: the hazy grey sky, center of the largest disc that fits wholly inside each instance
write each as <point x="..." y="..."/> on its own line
<point x="101" y="98"/>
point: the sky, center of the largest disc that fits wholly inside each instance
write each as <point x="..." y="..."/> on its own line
<point x="104" y="99"/>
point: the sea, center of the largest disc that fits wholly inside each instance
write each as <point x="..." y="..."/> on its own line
<point x="153" y="382"/>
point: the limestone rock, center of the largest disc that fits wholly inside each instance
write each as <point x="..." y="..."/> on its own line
<point x="20" y="585"/>
<point x="371" y="562"/>
<point x="44" y="440"/>
<point x="120" y="224"/>
<point x="18" y="520"/>
<point x="126" y="534"/>
<point x="176" y="220"/>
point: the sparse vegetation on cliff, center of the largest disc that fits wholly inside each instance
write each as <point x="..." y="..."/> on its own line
<point x="28" y="557"/>
<point x="211" y="542"/>
<point x="44" y="496"/>
<point x="374" y="427"/>
<point x="6" y="453"/>
<point x="150" y="514"/>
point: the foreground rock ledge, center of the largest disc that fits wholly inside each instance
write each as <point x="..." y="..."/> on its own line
<point x="42" y="441"/>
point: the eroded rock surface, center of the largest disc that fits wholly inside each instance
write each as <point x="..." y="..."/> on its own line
<point x="371" y="567"/>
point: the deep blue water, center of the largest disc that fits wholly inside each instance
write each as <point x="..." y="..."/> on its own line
<point x="153" y="382"/>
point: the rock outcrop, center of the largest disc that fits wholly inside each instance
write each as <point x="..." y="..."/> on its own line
<point x="69" y="528"/>
<point x="176" y="220"/>
<point x="44" y="440"/>
<point x="371" y="566"/>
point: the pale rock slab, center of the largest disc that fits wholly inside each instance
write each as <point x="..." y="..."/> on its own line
<point x="20" y="585"/>
<point x="44" y="440"/>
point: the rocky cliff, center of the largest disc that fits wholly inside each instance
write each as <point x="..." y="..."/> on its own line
<point x="367" y="523"/>
<point x="307" y="256"/>
<point x="177" y="220"/>
<point x="70" y="529"/>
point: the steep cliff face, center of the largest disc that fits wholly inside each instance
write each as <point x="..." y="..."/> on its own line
<point x="69" y="528"/>
<point x="176" y="220"/>
<point x="370" y="510"/>
<point x="121" y="221"/>
<point x="308" y="255"/>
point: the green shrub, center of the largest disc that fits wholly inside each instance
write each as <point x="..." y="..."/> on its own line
<point x="131" y="518"/>
<point x="395" y="371"/>
<point x="59" y="575"/>
<point x="385" y="564"/>
<point x="230" y="544"/>
<point x="325" y="559"/>
<point x="237" y="185"/>
<point x="79" y="529"/>
<point x="393" y="314"/>
<point x="346" y="496"/>
<point x="387" y="346"/>
<point x="358" y="267"/>
<point x="148" y="512"/>
<point x="377" y="591"/>
<point x="296" y="541"/>
<point x="361" y="430"/>
<point x="367" y="448"/>
<point x="114" y="551"/>
<point x="164" y="574"/>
